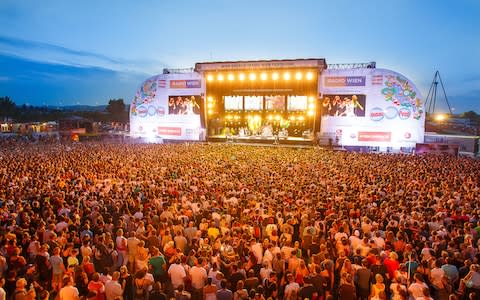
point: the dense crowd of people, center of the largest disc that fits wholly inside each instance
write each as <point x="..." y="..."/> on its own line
<point x="108" y="221"/>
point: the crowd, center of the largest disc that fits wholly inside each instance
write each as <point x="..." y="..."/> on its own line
<point x="213" y="221"/>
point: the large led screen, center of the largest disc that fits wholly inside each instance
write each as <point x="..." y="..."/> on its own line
<point x="276" y="102"/>
<point x="343" y="105"/>
<point x="253" y="102"/>
<point x="233" y="102"/>
<point x="297" y="103"/>
<point x="184" y="105"/>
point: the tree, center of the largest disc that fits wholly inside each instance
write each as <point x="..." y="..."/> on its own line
<point x="116" y="107"/>
<point x="472" y="116"/>
<point x="7" y="107"/>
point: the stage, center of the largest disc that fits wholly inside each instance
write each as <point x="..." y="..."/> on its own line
<point x="262" y="140"/>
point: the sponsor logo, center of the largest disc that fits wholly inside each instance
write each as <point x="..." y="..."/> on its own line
<point x="150" y="111"/>
<point x="338" y="132"/>
<point x="377" y="79"/>
<point x="391" y="112"/>
<point x="372" y="136"/>
<point x="377" y="114"/>
<point x="404" y="113"/>
<point x="345" y="81"/>
<point x="185" y="84"/>
<point x="407" y="135"/>
<point x="176" y="131"/>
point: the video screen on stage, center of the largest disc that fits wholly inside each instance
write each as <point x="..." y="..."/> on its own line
<point x="184" y="105"/>
<point x="344" y="105"/>
<point x="297" y="103"/>
<point x="233" y="102"/>
<point x="276" y="102"/>
<point x="253" y="102"/>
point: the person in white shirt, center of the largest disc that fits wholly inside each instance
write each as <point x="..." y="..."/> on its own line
<point x="416" y="289"/>
<point x="257" y="250"/>
<point x="113" y="289"/>
<point x="177" y="274"/>
<point x="292" y="288"/>
<point x="198" y="275"/>
<point x="121" y="246"/>
<point x="68" y="292"/>
<point x="379" y="241"/>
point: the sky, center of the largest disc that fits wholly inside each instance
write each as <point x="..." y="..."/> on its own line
<point x="59" y="53"/>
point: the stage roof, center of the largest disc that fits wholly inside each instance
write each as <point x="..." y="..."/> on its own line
<point x="315" y="63"/>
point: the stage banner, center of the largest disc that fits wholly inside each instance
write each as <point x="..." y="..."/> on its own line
<point x="169" y="106"/>
<point x="371" y="107"/>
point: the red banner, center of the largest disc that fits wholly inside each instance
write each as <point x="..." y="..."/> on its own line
<point x="372" y="136"/>
<point x="177" y="131"/>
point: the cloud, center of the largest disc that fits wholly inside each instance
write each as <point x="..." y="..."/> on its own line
<point x="54" y="54"/>
<point x="40" y="83"/>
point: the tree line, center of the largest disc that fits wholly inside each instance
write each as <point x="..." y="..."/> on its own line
<point x="115" y="111"/>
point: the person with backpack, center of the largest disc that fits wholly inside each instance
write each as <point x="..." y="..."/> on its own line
<point x="141" y="284"/>
<point x="21" y="292"/>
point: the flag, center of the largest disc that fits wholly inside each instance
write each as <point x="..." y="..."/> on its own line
<point x="377" y="79"/>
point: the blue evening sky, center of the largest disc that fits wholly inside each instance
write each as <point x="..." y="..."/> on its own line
<point x="59" y="53"/>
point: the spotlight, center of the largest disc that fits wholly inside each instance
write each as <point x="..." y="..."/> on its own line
<point x="220" y="77"/>
<point x="286" y="76"/>
<point x="231" y="77"/>
<point x="210" y="99"/>
<point x="298" y="76"/>
<point x="311" y="106"/>
<point x="210" y="77"/>
<point x="241" y="76"/>
<point x="263" y="76"/>
<point x="311" y="99"/>
<point x="210" y="111"/>
<point x="277" y="117"/>
<point x="275" y="76"/>
<point x="252" y="76"/>
<point x="309" y="76"/>
<point x="310" y="113"/>
<point x="270" y="117"/>
<point x="210" y="105"/>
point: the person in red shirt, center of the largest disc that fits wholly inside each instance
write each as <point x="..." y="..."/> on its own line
<point x="391" y="264"/>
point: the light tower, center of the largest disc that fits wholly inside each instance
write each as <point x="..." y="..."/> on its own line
<point x="431" y="100"/>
